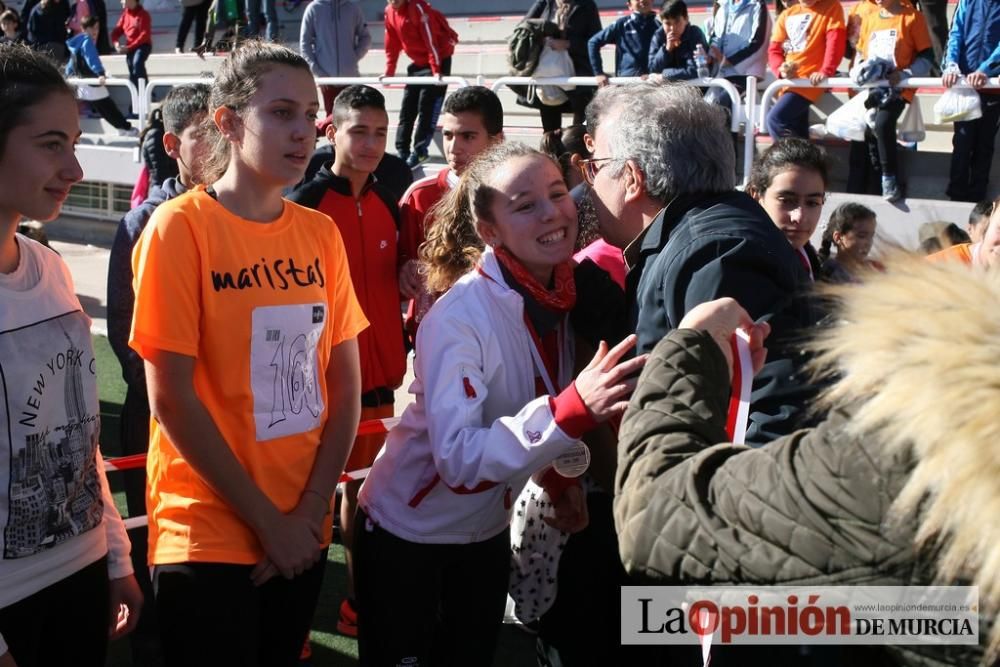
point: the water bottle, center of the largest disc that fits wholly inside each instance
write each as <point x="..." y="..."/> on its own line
<point x="701" y="62"/>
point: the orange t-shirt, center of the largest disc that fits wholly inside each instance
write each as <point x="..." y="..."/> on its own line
<point x="896" y="37"/>
<point x="802" y="32"/>
<point x="259" y="306"/>
<point x="961" y="252"/>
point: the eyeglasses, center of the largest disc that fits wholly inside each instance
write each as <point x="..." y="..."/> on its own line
<point x="590" y="167"/>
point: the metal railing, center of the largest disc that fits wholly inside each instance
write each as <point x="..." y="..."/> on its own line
<point x="767" y="98"/>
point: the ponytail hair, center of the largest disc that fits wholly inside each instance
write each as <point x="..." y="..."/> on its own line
<point x="844" y="218"/>
<point x="454" y="246"/>
<point x="236" y="82"/>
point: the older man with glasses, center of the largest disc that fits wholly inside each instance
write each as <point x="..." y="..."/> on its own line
<point x="662" y="183"/>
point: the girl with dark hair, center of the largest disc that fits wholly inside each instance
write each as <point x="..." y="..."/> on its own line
<point x="495" y="402"/>
<point x="247" y="321"/>
<point x="64" y="554"/>
<point x="789" y="180"/>
<point x="852" y="229"/>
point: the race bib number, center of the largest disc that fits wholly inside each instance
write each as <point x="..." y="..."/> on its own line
<point x="284" y="372"/>
<point x="797" y="28"/>
<point x="883" y="45"/>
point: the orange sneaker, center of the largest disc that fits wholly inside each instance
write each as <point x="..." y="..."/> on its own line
<point x="347" y="624"/>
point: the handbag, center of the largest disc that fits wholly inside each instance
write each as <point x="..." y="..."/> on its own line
<point x="551" y="64"/>
<point x="958" y="104"/>
<point x="911" y="125"/>
<point x="850" y="120"/>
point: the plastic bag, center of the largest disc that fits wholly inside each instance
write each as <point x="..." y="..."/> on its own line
<point x="553" y="63"/>
<point x="849" y="121"/>
<point x="958" y="104"/>
<point x="911" y="125"/>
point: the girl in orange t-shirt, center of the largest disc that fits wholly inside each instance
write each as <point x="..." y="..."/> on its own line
<point x="247" y="321"/>
<point x="808" y="42"/>
<point x="895" y="31"/>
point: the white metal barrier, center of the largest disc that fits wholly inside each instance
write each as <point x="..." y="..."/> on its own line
<point x="767" y="99"/>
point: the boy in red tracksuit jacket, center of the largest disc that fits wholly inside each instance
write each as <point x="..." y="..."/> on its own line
<point x="137" y="27"/>
<point x="471" y="122"/>
<point x="423" y="33"/>
<point x="368" y="220"/>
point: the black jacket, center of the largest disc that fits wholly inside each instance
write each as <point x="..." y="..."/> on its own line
<point x="583" y="23"/>
<point x="121" y="296"/>
<point x="161" y="166"/>
<point x="703" y="247"/>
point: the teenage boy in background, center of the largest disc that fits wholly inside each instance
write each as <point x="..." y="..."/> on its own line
<point x="184" y="110"/>
<point x="368" y="220"/>
<point x="671" y="52"/>
<point x="472" y="122"/>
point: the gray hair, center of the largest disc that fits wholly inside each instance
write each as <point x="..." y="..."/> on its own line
<point x="680" y="142"/>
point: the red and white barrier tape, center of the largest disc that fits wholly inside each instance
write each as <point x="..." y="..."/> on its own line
<point x="370" y="427"/>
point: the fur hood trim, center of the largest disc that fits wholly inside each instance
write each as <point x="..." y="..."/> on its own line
<point x="917" y="351"/>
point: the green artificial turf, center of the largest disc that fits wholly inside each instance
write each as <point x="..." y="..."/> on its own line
<point x="329" y="648"/>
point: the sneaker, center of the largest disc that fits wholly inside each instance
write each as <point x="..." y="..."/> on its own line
<point x="416" y="160"/>
<point x="128" y="132"/>
<point x="347" y="624"/>
<point x="891" y="190"/>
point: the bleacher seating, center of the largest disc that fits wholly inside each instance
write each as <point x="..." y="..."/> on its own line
<point x="481" y="56"/>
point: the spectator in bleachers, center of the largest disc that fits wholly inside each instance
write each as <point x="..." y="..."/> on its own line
<point x="978" y="219"/>
<point x="576" y="22"/>
<point x="631" y="36"/>
<point x="333" y="39"/>
<point x="851" y="230"/>
<point x="974" y="51"/>
<point x="136" y="26"/>
<point x="471" y="123"/>
<point x="423" y="33"/>
<point x="894" y="33"/>
<point x="671" y="53"/>
<point x="11" y="26"/>
<point x="789" y="180"/>
<point x="808" y="42"/>
<point x="84" y="8"/>
<point x="86" y="64"/>
<point x="662" y="181"/>
<point x="184" y="111"/>
<point x="268" y="9"/>
<point x="195" y="11"/>
<point x="368" y="219"/>
<point x="47" y="28"/>
<point x="738" y="42"/>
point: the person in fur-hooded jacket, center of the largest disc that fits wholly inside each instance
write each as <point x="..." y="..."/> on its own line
<point x="898" y="485"/>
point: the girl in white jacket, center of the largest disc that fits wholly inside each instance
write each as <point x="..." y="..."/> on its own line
<point x="494" y="403"/>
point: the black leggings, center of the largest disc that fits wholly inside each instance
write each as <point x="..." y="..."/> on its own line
<point x="110" y="112"/>
<point x="211" y="614"/>
<point x="198" y="14"/>
<point x="428" y="604"/>
<point x="882" y="148"/>
<point x="64" y="624"/>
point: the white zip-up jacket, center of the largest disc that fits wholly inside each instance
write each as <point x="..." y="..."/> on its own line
<point x="741" y="29"/>
<point x="465" y="448"/>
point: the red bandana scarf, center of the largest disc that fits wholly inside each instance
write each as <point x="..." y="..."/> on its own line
<point x="560" y="298"/>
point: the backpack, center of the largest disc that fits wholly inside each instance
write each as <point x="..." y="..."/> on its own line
<point x="524" y="46"/>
